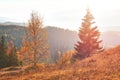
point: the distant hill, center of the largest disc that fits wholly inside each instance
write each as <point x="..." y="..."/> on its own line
<point x="59" y="39"/>
<point x="13" y="23"/>
<point x="13" y="32"/>
<point x="111" y="38"/>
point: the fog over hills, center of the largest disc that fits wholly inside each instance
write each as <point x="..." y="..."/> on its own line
<point x="111" y="38"/>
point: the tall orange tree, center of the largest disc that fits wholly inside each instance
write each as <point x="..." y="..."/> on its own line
<point x="35" y="44"/>
<point x="89" y="37"/>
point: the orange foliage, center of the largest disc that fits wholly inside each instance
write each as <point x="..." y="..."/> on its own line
<point x="66" y="59"/>
<point x="10" y="46"/>
<point x="103" y="66"/>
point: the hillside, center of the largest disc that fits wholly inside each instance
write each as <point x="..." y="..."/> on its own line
<point x="102" y="66"/>
<point x="57" y="36"/>
<point x="111" y="38"/>
<point x="13" y="32"/>
<point x="60" y="40"/>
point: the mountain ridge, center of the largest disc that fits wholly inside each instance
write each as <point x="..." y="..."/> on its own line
<point x="59" y="37"/>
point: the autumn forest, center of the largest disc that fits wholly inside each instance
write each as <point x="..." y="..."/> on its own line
<point x="32" y="51"/>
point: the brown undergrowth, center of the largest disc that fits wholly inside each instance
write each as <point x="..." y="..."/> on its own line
<point x="102" y="66"/>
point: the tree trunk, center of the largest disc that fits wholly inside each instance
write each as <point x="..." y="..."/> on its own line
<point x="35" y="58"/>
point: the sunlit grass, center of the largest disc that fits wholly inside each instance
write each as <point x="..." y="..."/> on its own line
<point x="103" y="66"/>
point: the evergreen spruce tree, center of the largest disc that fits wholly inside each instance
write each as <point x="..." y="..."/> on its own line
<point x="89" y="38"/>
<point x="8" y="56"/>
<point x="3" y="55"/>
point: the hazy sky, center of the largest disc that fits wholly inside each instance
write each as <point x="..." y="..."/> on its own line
<point x="64" y="13"/>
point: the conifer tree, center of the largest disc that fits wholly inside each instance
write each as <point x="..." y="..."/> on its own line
<point x="3" y="55"/>
<point x="89" y="38"/>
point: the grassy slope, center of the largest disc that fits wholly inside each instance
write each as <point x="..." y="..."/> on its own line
<point x="103" y="66"/>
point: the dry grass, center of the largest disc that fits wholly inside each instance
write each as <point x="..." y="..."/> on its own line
<point x="103" y="66"/>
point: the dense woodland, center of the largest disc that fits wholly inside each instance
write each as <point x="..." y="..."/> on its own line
<point x="48" y="53"/>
